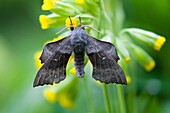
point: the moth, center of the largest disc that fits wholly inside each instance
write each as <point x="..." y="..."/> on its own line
<point x="102" y="55"/>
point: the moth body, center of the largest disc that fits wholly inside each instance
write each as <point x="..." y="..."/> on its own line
<point x="78" y="42"/>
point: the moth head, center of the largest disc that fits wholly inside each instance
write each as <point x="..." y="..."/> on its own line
<point x="80" y="25"/>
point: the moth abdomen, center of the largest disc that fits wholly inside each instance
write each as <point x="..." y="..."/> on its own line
<point x="79" y="64"/>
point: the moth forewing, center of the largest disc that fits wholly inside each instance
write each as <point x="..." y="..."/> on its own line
<point x="55" y="57"/>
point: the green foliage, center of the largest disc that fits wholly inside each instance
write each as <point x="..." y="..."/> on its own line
<point x="21" y="36"/>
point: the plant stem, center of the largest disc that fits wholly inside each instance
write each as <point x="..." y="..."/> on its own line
<point x="121" y="99"/>
<point x="89" y="95"/>
<point x="107" y="100"/>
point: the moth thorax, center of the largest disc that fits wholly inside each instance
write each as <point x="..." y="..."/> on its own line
<point x="79" y="47"/>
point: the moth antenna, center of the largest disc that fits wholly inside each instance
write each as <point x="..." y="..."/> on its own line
<point x="70" y="20"/>
<point x="62" y="30"/>
<point x="71" y="25"/>
<point x="90" y="27"/>
<point x="80" y="20"/>
<point x="81" y="23"/>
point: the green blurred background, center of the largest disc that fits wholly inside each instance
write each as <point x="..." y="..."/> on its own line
<point x="21" y="36"/>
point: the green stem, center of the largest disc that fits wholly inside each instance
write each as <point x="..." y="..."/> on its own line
<point x="89" y="95"/>
<point x="117" y="15"/>
<point x="132" y="102"/>
<point x="107" y="100"/>
<point x="121" y="99"/>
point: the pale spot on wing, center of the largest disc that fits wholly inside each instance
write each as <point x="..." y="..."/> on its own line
<point x="55" y="60"/>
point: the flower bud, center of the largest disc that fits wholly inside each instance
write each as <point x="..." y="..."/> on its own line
<point x="159" y="42"/>
<point x="122" y="50"/>
<point x="143" y="58"/>
<point x="147" y="37"/>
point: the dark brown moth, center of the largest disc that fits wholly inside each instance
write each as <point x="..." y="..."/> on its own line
<point x="102" y="55"/>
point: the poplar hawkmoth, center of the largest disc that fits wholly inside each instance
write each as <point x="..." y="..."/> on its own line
<point x="102" y="55"/>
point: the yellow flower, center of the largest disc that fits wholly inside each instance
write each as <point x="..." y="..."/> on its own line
<point x="48" y="4"/>
<point x="80" y="1"/>
<point x="65" y="101"/>
<point x="74" y="22"/>
<point x="44" y="21"/>
<point x="127" y="59"/>
<point x="150" y="65"/>
<point x="37" y="60"/>
<point x="128" y="78"/>
<point x="73" y="70"/>
<point x="50" y="95"/>
<point x="159" y="42"/>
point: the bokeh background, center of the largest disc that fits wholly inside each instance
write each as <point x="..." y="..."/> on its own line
<point x="21" y="36"/>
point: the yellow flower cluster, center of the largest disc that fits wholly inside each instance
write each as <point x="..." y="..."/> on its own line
<point x="61" y="9"/>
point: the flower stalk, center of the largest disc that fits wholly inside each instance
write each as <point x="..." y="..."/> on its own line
<point x="107" y="99"/>
<point x="121" y="99"/>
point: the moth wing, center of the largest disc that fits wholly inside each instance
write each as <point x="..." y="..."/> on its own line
<point x="49" y="49"/>
<point x="103" y="57"/>
<point x="55" y="57"/>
